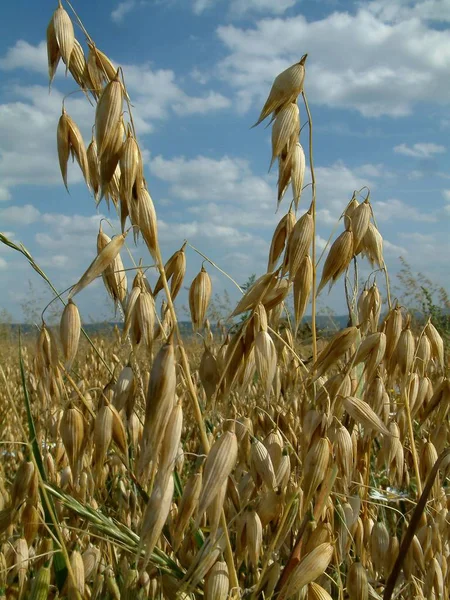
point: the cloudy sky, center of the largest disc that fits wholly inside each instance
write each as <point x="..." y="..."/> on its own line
<point x="198" y="72"/>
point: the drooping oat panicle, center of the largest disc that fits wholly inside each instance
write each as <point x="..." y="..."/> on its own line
<point x="93" y="168"/>
<point x="298" y="165"/>
<point x="70" y="141"/>
<point x="392" y="327"/>
<point x="309" y="568"/>
<point x="144" y="216"/>
<point x="217" y="583"/>
<point x="72" y="429"/>
<point x="279" y="239"/>
<point x="285" y="89"/>
<point x="360" y="219"/>
<point x="209" y="372"/>
<point x="302" y="289"/>
<point x="78" y="67"/>
<point x="298" y="244"/>
<point x="63" y="32"/>
<point x="107" y="114"/>
<point x="404" y="352"/>
<point x="315" y="467"/>
<point x="437" y="343"/>
<point x="262" y="468"/>
<point x="255" y="294"/>
<point x="219" y="463"/>
<point x="175" y="269"/>
<point x="70" y="329"/>
<point x="199" y="297"/>
<point x="338" y="259"/>
<point x="335" y="349"/>
<point x="131" y="173"/>
<point x="100" y="263"/>
<point x="357" y="584"/>
<point x="285" y="130"/>
<point x="75" y="585"/>
<point x="159" y="404"/>
<point x="351" y="206"/>
<point x="155" y="515"/>
<point x="364" y="415"/>
<point x="372" y="246"/>
<point x="53" y="53"/>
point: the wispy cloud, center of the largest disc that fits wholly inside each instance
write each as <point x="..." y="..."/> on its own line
<point x="122" y="9"/>
<point x="420" y="150"/>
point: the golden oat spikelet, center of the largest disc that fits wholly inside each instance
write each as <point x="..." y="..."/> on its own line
<point x="175" y="268"/>
<point x="308" y="569"/>
<point x="298" y="165"/>
<point x="217" y="583"/>
<point x="286" y="87"/>
<point x="335" y="349"/>
<point x="285" y="129"/>
<point x="279" y="239"/>
<point x="63" y="33"/>
<point x="94" y="168"/>
<point x="361" y="412"/>
<point x="360" y="219"/>
<point x="338" y="259"/>
<point x="199" y="297"/>
<point x="302" y="289"/>
<point x="298" y="244"/>
<point x="70" y="142"/>
<point x="70" y="329"/>
<point x="53" y="53"/>
<point x="372" y="246"/>
<point x="107" y="114"/>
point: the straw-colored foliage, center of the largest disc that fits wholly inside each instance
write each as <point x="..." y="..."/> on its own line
<point x="243" y="462"/>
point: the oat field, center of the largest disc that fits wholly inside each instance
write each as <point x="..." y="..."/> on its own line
<point x="245" y="462"/>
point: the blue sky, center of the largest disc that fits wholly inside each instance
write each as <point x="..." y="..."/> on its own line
<point x="198" y="72"/>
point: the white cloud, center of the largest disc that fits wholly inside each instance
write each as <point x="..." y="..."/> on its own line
<point x="393" y="250"/>
<point x="239" y="8"/>
<point x="420" y="150"/>
<point x="3" y="264"/>
<point x="26" y="56"/>
<point x="57" y="261"/>
<point x="201" y="105"/>
<point x="446" y="194"/>
<point x="5" y="194"/>
<point x="397" y="209"/>
<point x="19" y="215"/>
<point x="358" y="61"/>
<point x="122" y="9"/>
<point x="400" y="10"/>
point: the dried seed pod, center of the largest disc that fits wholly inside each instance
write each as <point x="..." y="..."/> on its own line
<point x="219" y="463"/>
<point x="53" y="53"/>
<point x="309" y="568"/>
<point x="175" y="268"/>
<point x="315" y="467"/>
<point x="75" y="586"/>
<point x="159" y="403"/>
<point x="155" y="515"/>
<point x="107" y="115"/>
<point x="372" y="246"/>
<point x="100" y="263"/>
<point x="437" y="343"/>
<point x="209" y="373"/>
<point x="285" y="129"/>
<point x="266" y="360"/>
<point x="63" y="34"/>
<point x="338" y="259"/>
<point x="72" y="430"/>
<point x="364" y="415"/>
<point x="302" y="289"/>
<point x="261" y="464"/>
<point x="298" y="244"/>
<point x="357" y="584"/>
<point x="70" y="328"/>
<point x="70" y="141"/>
<point x="285" y="89"/>
<point x="360" y="219"/>
<point x="199" y="297"/>
<point x="280" y="236"/>
<point x="335" y="349"/>
<point x="217" y="582"/>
